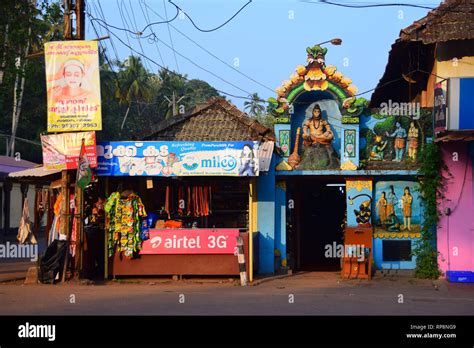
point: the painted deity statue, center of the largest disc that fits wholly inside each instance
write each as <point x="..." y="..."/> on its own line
<point x="400" y="135"/>
<point x="392" y="201"/>
<point x="317" y="132"/>
<point x="382" y="208"/>
<point x="407" y="201"/>
<point x="377" y="152"/>
<point x="412" y="141"/>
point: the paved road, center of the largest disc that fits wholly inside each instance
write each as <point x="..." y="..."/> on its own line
<point x="313" y="294"/>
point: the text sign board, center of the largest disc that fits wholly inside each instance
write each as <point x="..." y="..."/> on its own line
<point x="179" y="158"/>
<point x="73" y="86"/>
<point x="61" y="151"/>
<point x="191" y="241"/>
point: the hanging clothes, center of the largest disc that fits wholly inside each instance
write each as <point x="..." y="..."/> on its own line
<point x="123" y="224"/>
<point x="24" y="231"/>
<point x="75" y="227"/>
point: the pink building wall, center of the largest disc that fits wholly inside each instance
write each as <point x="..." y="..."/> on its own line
<point x="456" y="232"/>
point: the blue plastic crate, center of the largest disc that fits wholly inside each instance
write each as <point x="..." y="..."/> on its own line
<point x="460" y="276"/>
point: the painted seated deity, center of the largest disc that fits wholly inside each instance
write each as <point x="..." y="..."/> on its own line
<point x="317" y="134"/>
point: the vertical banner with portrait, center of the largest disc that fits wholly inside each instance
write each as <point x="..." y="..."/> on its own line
<point x="439" y="109"/>
<point x="73" y="85"/>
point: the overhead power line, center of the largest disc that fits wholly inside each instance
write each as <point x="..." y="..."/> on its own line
<point x="213" y="29"/>
<point x="210" y="53"/>
<point x="171" y="38"/>
<point x="368" y="5"/>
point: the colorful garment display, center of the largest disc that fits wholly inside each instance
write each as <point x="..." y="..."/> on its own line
<point x="123" y="225"/>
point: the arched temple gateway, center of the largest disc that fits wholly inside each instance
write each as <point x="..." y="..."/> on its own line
<point x="346" y="176"/>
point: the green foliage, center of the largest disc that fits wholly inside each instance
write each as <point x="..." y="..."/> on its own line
<point x="431" y="167"/>
<point x="254" y="105"/>
<point x="23" y="24"/>
<point x="267" y="120"/>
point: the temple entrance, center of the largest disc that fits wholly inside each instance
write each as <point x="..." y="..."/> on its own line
<point x="322" y="203"/>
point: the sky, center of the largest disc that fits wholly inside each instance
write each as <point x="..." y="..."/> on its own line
<point x="265" y="41"/>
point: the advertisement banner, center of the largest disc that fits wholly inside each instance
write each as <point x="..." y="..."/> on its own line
<point x="180" y="158"/>
<point x="61" y="151"/>
<point x="73" y="86"/>
<point x="191" y="241"/>
<point x="439" y="110"/>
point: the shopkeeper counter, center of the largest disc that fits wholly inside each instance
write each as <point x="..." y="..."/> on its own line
<point x="184" y="252"/>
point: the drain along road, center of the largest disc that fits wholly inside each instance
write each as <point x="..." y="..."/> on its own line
<point x="302" y="294"/>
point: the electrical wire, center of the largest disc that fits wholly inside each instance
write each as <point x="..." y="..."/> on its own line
<point x="325" y="2"/>
<point x="213" y="29"/>
<point x="147" y="20"/>
<point x="367" y="5"/>
<point x="212" y="54"/>
<point x="136" y="26"/>
<point x="173" y="72"/>
<point x="171" y="38"/>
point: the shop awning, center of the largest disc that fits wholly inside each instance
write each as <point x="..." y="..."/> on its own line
<point x="36" y="172"/>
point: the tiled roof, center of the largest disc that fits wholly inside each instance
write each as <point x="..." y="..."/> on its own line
<point x="215" y="120"/>
<point x="413" y="53"/>
<point x="452" y="20"/>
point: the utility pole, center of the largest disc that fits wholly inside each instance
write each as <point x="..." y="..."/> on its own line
<point x="76" y="8"/>
<point x="173" y="103"/>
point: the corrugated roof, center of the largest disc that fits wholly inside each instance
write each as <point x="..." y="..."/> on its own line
<point x="11" y="164"/>
<point x="215" y="120"/>
<point x="36" y="172"/>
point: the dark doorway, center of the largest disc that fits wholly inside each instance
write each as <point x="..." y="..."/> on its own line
<point x="321" y="214"/>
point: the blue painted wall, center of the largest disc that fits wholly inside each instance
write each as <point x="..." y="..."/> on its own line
<point x="280" y="220"/>
<point x="266" y="219"/>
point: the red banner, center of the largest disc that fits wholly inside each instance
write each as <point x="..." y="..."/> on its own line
<point x="191" y="241"/>
<point x="61" y="151"/>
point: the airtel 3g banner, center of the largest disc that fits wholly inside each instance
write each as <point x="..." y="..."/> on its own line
<point x="177" y="158"/>
<point x="191" y="241"/>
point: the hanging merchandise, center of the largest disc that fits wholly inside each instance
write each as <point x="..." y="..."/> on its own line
<point x="54" y="232"/>
<point x="24" y="231"/>
<point x="123" y="225"/>
<point x="75" y="227"/>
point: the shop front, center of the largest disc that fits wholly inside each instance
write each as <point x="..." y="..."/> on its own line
<point x="180" y="207"/>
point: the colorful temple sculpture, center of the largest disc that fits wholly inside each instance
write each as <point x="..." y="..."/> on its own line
<point x="346" y="175"/>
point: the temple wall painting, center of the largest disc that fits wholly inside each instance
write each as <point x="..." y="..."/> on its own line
<point x="397" y="221"/>
<point x="393" y="142"/>
<point x="359" y="203"/>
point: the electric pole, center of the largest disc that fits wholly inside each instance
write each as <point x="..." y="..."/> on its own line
<point x="74" y="13"/>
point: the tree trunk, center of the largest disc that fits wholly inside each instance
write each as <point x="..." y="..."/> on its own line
<point x="125" y="117"/>
<point x="17" y="99"/>
<point x="4" y="58"/>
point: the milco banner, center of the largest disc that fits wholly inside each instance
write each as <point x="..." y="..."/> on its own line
<point x="61" y="151"/>
<point x="179" y="158"/>
<point x="73" y="84"/>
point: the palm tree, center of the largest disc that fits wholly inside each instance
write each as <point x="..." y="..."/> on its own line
<point x="254" y="105"/>
<point x="172" y="91"/>
<point x="133" y="85"/>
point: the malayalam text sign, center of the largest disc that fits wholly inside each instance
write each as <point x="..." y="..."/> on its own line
<point x="191" y="241"/>
<point x="73" y="86"/>
<point x="61" y="151"/>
